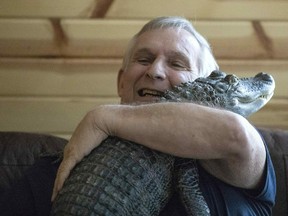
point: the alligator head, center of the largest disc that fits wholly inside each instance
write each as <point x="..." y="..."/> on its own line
<point x="240" y="95"/>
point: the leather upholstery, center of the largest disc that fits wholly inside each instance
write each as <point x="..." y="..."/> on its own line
<point x="18" y="151"/>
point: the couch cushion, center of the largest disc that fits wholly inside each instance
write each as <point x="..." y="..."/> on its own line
<point x="277" y="142"/>
<point x="20" y="150"/>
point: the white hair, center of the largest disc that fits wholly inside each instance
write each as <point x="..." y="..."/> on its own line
<point x="206" y="61"/>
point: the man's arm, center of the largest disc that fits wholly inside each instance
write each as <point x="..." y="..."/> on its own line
<point x="227" y="145"/>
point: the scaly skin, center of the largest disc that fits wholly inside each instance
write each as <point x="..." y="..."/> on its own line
<point x="117" y="178"/>
<point x="244" y="96"/>
<point x="124" y="178"/>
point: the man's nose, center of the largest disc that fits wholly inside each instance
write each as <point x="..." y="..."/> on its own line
<point x="156" y="71"/>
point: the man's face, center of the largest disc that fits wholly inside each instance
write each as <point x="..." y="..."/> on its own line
<point x="161" y="59"/>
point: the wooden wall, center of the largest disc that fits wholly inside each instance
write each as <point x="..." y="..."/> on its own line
<point x="60" y="58"/>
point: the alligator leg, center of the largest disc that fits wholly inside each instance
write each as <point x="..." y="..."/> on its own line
<point x="187" y="185"/>
<point x="117" y="178"/>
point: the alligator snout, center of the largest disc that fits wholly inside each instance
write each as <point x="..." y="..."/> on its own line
<point x="265" y="77"/>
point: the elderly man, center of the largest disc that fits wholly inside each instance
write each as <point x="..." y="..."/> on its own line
<point x="235" y="170"/>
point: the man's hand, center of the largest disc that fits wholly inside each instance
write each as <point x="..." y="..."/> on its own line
<point x="88" y="135"/>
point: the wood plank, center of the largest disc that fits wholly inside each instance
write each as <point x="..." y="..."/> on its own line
<point x="200" y="9"/>
<point x="58" y="77"/>
<point x="26" y="37"/>
<point x="101" y="38"/>
<point x="50" y="9"/>
<point x="38" y="37"/>
<point x="277" y="32"/>
<point x="131" y="9"/>
<point x="98" y="77"/>
<point x="232" y="40"/>
<point x="61" y="115"/>
<point x="108" y="38"/>
<point x="46" y="115"/>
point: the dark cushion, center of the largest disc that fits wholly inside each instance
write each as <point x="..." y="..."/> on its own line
<point x="277" y="142"/>
<point x="18" y="152"/>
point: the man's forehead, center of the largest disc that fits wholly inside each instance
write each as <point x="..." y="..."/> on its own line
<point x="144" y="51"/>
<point x="178" y="42"/>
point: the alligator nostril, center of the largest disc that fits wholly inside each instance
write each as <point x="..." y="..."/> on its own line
<point x="264" y="76"/>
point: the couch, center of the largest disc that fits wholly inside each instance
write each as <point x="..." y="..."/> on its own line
<point x="18" y="152"/>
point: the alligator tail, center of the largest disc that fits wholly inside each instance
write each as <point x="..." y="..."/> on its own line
<point x="187" y="186"/>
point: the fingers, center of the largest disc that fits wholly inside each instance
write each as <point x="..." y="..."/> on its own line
<point x="62" y="174"/>
<point x="86" y="137"/>
<point x="73" y="153"/>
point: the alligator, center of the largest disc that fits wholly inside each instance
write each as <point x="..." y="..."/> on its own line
<point x="244" y="96"/>
<point x="123" y="178"/>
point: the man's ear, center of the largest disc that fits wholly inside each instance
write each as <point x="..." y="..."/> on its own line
<point x="119" y="82"/>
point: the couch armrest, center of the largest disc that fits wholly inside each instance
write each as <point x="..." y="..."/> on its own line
<point x="18" y="151"/>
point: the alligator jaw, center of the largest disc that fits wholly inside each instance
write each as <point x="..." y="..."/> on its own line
<point x="253" y="94"/>
<point x="246" y="108"/>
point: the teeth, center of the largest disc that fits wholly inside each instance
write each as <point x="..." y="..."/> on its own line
<point x="144" y="92"/>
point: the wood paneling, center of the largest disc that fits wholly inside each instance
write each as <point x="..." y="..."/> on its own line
<point x="98" y="77"/>
<point x="60" y="58"/>
<point x="98" y="38"/>
<point x="50" y="9"/>
<point x="26" y="37"/>
<point x="222" y="37"/>
<point x="277" y="32"/>
<point x="51" y="115"/>
<point x="201" y="9"/>
<point x="108" y="38"/>
<point x="58" y="77"/>
<point x="61" y="115"/>
<point x="52" y="95"/>
<point x="136" y="9"/>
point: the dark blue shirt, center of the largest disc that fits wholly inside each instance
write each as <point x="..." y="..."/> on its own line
<point x="224" y="199"/>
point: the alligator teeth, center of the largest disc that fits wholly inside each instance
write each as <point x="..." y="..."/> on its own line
<point x="144" y="92"/>
<point x="265" y="97"/>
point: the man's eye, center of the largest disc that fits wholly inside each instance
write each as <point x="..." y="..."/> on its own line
<point x="143" y="61"/>
<point x="177" y="65"/>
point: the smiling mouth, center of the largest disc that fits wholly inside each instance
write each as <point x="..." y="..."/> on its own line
<point x="149" y="92"/>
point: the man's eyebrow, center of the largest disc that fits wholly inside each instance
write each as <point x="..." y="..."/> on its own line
<point x="171" y="54"/>
<point x="143" y="51"/>
<point x="176" y="54"/>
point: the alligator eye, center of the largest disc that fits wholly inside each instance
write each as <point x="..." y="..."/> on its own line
<point x="231" y="79"/>
<point x="217" y="74"/>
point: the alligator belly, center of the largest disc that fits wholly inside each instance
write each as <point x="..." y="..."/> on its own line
<point x="117" y="178"/>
